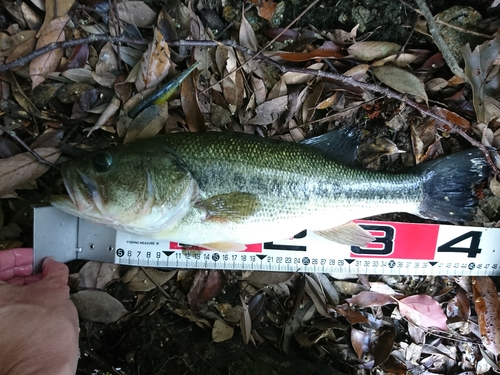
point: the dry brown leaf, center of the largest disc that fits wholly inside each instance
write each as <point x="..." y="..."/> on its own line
<point x="245" y="322"/>
<point x="424" y="311"/>
<point x="21" y="168"/>
<point x="97" y="306"/>
<point x="371" y="299"/>
<point x="328" y="50"/>
<point x="404" y="59"/>
<point x="195" y="119"/>
<point x="221" y="331"/>
<point x="292" y="78"/>
<point x="155" y="63"/>
<point x="309" y="106"/>
<point x="247" y="35"/>
<point x="108" y="60"/>
<point x="48" y="62"/>
<point x="54" y="9"/>
<point x="279" y="89"/>
<point x="487" y="306"/>
<point x="32" y="18"/>
<point x="265" y="8"/>
<point x="136" y="13"/>
<point x="148" y="123"/>
<point x="401" y="80"/>
<point x="368" y="51"/>
<point x="343" y="37"/>
<point x="452" y="117"/>
<point x="269" y="111"/>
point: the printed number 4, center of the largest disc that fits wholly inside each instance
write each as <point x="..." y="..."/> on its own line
<point x="471" y="251"/>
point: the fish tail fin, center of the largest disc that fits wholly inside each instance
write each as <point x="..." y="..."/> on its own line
<point x="448" y="186"/>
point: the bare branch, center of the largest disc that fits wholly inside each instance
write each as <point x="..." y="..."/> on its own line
<point x="68" y="43"/>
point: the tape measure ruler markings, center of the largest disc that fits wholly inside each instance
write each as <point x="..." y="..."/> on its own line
<point x="399" y="248"/>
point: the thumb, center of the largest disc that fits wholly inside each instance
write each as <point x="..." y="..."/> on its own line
<point x="54" y="272"/>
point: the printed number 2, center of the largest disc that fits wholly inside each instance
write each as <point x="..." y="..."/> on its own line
<point x="383" y="243"/>
<point x="471" y="251"/>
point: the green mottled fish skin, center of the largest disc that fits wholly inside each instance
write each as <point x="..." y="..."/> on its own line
<point x="247" y="189"/>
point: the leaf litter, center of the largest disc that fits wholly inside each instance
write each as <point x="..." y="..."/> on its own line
<point x="407" y="324"/>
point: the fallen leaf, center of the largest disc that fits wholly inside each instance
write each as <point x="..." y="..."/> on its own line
<point x="487" y="306"/>
<point x="265" y="8"/>
<point x="97" y="306"/>
<point x="371" y="299"/>
<point x="78" y="58"/>
<point x="54" y="9"/>
<point x="206" y="285"/>
<point x="452" y="117"/>
<point x="247" y="35"/>
<point x="400" y="80"/>
<point x="292" y="78"/>
<point x="372" y="50"/>
<point x="221" y="331"/>
<point x="148" y="123"/>
<point x="269" y="111"/>
<point x="155" y="63"/>
<point x="245" y="322"/>
<point x="195" y="119"/>
<point x="141" y="281"/>
<point x="21" y="168"/>
<point x="48" y="62"/>
<point x="136" y="13"/>
<point x="424" y="311"/>
<point x="263" y="278"/>
<point x="478" y="64"/>
<point x="328" y="50"/>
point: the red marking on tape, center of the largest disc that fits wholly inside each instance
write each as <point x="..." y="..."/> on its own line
<point x="409" y="241"/>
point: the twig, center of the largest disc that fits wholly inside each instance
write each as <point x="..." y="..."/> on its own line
<point x="454" y="27"/>
<point x="158" y="286"/>
<point x="443" y="47"/>
<point x="28" y="148"/>
<point x="68" y="43"/>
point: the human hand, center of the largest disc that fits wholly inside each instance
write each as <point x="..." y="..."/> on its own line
<point x="38" y="321"/>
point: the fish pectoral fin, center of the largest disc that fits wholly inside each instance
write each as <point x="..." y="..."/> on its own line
<point x="349" y="233"/>
<point x="224" y="246"/>
<point x="230" y="207"/>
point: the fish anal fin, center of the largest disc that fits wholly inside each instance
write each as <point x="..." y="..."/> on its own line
<point x="349" y="233"/>
<point x="230" y="207"/>
<point x="224" y="246"/>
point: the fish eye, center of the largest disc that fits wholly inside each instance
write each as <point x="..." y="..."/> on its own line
<point x="102" y="161"/>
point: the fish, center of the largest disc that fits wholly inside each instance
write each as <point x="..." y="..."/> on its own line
<point x="222" y="190"/>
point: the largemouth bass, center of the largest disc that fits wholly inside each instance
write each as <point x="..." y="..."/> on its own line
<point x="223" y="190"/>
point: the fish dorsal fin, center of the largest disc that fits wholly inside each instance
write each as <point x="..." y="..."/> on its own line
<point x="233" y="207"/>
<point x="349" y="233"/>
<point x="339" y="145"/>
<point x="224" y="246"/>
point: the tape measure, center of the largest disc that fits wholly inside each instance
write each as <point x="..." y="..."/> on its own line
<point x="398" y="248"/>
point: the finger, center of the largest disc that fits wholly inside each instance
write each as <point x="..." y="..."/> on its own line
<point x="7" y="260"/>
<point x="24" y="256"/>
<point x="15" y="257"/>
<point x="54" y="272"/>
<point x="17" y="281"/>
<point x="16" y="262"/>
<point x="32" y="278"/>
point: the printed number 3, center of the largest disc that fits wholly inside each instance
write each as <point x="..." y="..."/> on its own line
<point x="383" y="243"/>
